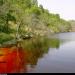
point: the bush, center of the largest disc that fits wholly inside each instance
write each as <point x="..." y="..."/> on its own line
<point x="5" y="37"/>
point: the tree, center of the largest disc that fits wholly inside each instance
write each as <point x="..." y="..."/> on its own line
<point x="34" y="2"/>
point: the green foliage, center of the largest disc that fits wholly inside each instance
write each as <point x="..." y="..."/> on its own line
<point x="1" y="2"/>
<point x="35" y="10"/>
<point x="5" y="37"/>
<point x="72" y="27"/>
<point x="26" y="17"/>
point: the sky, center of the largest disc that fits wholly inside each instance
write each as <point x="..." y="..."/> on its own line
<point x="66" y="8"/>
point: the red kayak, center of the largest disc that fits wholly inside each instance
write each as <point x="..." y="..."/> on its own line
<point x="12" y="60"/>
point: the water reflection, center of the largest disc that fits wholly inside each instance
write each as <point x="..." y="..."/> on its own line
<point x="16" y="59"/>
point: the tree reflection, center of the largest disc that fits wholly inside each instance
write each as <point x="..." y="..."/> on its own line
<point x="16" y="58"/>
<point x="36" y="48"/>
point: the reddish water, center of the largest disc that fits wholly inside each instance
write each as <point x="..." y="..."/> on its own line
<point x="12" y="60"/>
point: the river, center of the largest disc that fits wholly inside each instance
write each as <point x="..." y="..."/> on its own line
<point x="60" y="60"/>
<point x="55" y="55"/>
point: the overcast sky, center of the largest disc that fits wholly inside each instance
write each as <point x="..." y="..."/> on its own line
<point x="66" y="8"/>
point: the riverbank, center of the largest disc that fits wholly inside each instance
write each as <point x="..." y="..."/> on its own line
<point x="8" y="39"/>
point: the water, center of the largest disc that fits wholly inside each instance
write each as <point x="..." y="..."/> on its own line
<point x="55" y="55"/>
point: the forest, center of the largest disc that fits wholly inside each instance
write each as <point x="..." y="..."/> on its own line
<point x="23" y="18"/>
